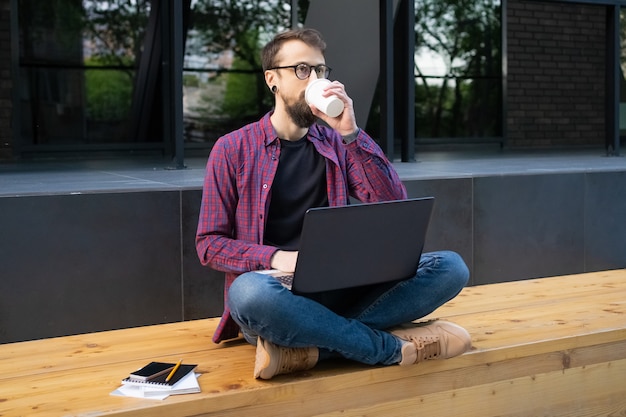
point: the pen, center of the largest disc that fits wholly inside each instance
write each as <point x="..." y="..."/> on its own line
<point x="173" y="371"/>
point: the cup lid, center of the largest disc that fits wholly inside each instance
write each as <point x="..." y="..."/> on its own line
<point x="313" y="83"/>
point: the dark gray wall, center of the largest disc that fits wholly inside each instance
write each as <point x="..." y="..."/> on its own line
<point x="80" y="263"/>
<point x="88" y="262"/>
<point x="353" y="44"/>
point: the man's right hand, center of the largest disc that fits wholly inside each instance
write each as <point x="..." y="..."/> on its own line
<point x="284" y="260"/>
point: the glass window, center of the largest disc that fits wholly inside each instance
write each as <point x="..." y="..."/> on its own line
<point x="78" y="62"/>
<point x="223" y="85"/>
<point x="458" y="72"/>
<point x="458" y="69"/>
<point x="77" y="70"/>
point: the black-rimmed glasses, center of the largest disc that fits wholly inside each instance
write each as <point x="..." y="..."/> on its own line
<point x="303" y="71"/>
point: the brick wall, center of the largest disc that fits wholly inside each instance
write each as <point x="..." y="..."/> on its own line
<point x="556" y="74"/>
<point x="6" y="83"/>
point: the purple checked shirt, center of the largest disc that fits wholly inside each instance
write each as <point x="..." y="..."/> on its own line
<point x="237" y="190"/>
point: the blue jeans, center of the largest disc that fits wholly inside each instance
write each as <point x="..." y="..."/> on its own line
<point x="348" y="322"/>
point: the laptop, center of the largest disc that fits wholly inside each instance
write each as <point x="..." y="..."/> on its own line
<point x="358" y="245"/>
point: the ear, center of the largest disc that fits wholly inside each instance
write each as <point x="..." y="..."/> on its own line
<point x="270" y="78"/>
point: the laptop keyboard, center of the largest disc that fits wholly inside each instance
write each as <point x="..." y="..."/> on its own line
<point x="285" y="280"/>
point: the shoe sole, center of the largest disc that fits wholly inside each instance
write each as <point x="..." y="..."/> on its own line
<point x="261" y="361"/>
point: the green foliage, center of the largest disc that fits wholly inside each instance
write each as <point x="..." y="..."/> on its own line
<point x="240" y="25"/>
<point x="240" y="100"/>
<point x="466" y="99"/>
<point x="109" y="94"/>
<point x="191" y="80"/>
<point x="116" y="29"/>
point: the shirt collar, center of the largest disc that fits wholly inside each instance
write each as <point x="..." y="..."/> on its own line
<point x="270" y="133"/>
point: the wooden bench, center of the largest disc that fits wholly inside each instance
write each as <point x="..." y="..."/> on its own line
<point x="553" y="346"/>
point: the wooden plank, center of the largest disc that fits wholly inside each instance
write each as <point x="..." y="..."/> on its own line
<point x="518" y="333"/>
<point x="544" y="291"/>
<point x="197" y="334"/>
<point x="554" y="394"/>
<point x="70" y="352"/>
<point x="135" y="344"/>
<point x="356" y="384"/>
<point x="368" y="389"/>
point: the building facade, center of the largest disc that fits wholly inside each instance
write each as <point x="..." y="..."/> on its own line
<point x="556" y="74"/>
<point x="82" y="252"/>
<point x="554" y="81"/>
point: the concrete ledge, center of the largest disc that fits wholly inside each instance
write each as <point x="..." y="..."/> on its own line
<point x="509" y="218"/>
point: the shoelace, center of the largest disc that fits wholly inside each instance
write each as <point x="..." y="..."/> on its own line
<point x="428" y="347"/>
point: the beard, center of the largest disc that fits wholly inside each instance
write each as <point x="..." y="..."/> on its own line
<point x="300" y="113"/>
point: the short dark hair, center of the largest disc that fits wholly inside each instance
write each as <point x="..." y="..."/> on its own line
<point x="307" y="35"/>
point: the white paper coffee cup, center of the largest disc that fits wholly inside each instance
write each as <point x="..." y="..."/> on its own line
<point x="331" y="105"/>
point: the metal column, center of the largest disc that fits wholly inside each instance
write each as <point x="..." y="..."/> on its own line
<point x="613" y="80"/>
<point x="405" y="79"/>
<point x="386" y="78"/>
<point x="173" y="79"/>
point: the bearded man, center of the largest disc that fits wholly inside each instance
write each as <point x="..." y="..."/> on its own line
<point x="259" y="182"/>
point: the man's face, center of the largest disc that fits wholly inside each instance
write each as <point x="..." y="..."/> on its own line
<point x="300" y="112"/>
<point x="290" y="87"/>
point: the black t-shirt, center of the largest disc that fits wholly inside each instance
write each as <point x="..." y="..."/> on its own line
<point x="299" y="184"/>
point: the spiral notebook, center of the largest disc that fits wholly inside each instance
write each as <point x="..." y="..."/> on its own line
<point x="153" y="385"/>
<point x="158" y="382"/>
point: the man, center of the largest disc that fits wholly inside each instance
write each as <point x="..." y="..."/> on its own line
<point x="259" y="182"/>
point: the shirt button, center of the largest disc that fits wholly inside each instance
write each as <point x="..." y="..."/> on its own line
<point x="264" y="186"/>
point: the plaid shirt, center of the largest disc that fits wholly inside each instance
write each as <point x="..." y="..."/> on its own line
<point x="237" y="189"/>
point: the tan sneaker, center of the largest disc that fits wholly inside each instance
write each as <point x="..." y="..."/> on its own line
<point x="436" y="339"/>
<point x="274" y="360"/>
